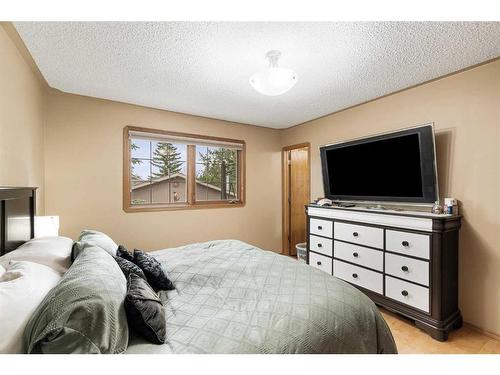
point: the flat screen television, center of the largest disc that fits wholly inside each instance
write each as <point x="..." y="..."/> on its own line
<point x="398" y="167"/>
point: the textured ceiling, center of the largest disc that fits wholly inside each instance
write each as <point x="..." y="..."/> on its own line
<point x="202" y="68"/>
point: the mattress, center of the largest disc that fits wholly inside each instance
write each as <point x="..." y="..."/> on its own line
<point x="232" y="297"/>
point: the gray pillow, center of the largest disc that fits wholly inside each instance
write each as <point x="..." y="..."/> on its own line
<point x="85" y="312"/>
<point x="89" y="238"/>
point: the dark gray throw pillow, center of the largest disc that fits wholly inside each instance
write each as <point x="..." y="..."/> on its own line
<point x="145" y="314"/>
<point x="155" y="273"/>
<point x="122" y="252"/>
<point x="129" y="267"/>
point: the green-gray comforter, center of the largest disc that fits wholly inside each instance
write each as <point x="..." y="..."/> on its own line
<point x="232" y="297"/>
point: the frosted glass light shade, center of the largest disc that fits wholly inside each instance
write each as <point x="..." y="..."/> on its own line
<point x="274" y="81"/>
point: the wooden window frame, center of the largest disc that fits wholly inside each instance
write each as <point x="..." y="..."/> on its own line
<point x="191" y="175"/>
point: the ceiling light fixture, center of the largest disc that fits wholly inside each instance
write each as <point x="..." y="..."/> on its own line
<point x="273" y="80"/>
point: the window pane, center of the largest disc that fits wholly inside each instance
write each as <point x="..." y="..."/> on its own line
<point x="183" y="169"/>
<point x="232" y="183"/>
<point x="201" y="152"/>
<point x="139" y="171"/>
<point x="201" y="187"/>
<point x="167" y="158"/>
<point x="141" y="194"/>
<point x="156" y="173"/>
<point x="140" y="148"/>
<point x="217" y="174"/>
<point x="178" y="191"/>
<point x="160" y="192"/>
<point x="202" y="191"/>
<point x="169" y="189"/>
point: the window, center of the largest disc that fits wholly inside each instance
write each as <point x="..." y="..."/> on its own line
<point x="166" y="170"/>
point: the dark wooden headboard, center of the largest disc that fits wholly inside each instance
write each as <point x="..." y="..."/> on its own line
<point x="17" y="216"/>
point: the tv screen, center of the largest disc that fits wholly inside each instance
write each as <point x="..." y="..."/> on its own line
<point x="397" y="167"/>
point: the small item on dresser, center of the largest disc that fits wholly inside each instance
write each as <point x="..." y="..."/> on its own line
<point x="437" y="208"/>
<point x="145" y="313"/>
<point x="451" y="206"/>
<point x="155" y="273"/>
<point x="324" y="202"/>
<point x="346" y="205"/>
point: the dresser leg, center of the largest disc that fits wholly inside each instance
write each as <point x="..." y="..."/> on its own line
<point x="441" y="334"/>
<point x="458" y="323"/>
<point x="435" y="333"/>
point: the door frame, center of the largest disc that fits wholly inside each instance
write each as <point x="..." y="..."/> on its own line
<point x="285" y="178"/>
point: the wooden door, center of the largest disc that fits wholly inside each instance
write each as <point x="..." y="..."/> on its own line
<point x="297" y="195"/>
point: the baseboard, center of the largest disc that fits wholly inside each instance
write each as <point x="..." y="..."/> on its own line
<point x="482" y="331"/>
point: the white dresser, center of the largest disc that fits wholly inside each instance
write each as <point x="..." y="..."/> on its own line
<point x="405" y="261"/>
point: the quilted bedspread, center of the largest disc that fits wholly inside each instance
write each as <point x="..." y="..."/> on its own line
<point x="232" y="297"/>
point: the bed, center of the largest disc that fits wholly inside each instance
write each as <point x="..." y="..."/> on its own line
<point x="232" y="297"/>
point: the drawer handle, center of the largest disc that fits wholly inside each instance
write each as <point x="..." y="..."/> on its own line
<point x="404" y="293"/>
<point x="320" y="245"/>
<point x="320" y="227"/>
<point x="355" y="234"/>
<point x="405" y="243"/>
<point x="355" y="255"/>
<point x="318" y="263"/>
<point x="355" y="275"/>
<point x="404" y="269"/>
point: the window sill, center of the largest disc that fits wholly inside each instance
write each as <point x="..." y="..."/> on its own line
<point x="178" y="207"/>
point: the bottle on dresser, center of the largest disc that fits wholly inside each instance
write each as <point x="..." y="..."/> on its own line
<point x="450" y="206"/>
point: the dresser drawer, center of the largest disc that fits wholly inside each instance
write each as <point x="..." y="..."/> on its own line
<point x="320" y="245"/>
<point x="360" y="255"/>
<point x="413" y="244"/>
<point x="360" y="276"/>
<point x="408" y="293"/>
<point x="407" y="268"/>
<point x="321" y="227"/>
<point x="321" y="262"/>
<point x="360" y="234"/>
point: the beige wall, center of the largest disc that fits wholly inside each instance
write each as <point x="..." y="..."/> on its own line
<point x="83" y="166"/>
<point x="465" y="109"/>
<point x="21" y="120"/>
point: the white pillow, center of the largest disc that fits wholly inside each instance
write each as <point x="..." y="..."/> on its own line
<point x="2" y="270"/>
<point x="22" y="287"/>
<point x="54" y="252"/>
